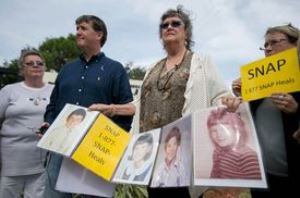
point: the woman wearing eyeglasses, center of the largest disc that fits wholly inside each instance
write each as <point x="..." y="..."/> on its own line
<point x="178" y="84"/>
<point x="22" y="106"/>
<point x="276" y="119"/>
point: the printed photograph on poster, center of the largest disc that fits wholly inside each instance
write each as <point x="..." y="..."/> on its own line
<point x="226" y="149"/>
<point x="173" y="164"/>
<point x="67" y="129"/>
<point x="137" y="163"/>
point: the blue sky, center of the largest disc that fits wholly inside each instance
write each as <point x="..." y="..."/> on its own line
<point x="230" y="31"/>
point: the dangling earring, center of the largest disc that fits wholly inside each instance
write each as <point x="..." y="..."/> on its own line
<point x="185" y="43"/>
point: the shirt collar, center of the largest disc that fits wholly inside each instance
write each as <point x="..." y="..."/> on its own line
<point x="95" y="57"/>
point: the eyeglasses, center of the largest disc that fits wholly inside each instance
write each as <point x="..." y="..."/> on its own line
<point x="174" y="24"/>
<point x="33" y="63"/>
<point x="272" y="43"/>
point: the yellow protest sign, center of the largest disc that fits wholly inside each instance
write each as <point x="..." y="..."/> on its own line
<point x="102" y="147"/>
<point x="276" y="73"/>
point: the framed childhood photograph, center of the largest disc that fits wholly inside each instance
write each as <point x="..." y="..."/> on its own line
<point x="226" y="149"/>
<point x="138" y="161"/>
<point x="173" y="165"/>
<point x="67" y="130"/>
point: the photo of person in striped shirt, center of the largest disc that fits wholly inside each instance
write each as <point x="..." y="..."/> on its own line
<point x="233" y="158"/>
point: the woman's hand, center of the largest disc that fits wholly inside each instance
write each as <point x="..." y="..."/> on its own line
<point x="236" y="87"/>
<point x="231" y="102"/>
<point x="41" y="131"/>
<point x="285" y="102"/>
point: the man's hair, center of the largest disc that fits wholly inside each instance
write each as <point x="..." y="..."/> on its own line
<point x="184" y="16"/>
<point x="233" y="119"/>
<point x="147" y="138"/>
<point x="97" y="24"/>
<point x="174" y="132"/>
<point x="80" y="112"/>
<point x="28" y="52"/>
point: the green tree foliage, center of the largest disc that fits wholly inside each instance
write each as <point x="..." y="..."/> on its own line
<point x="59" y="51"/>
<point x="9" y="73"/>
<point x="135" y="73"/>
<point x="130" y="191"/>
<point x="126" y="191"/>
<point x="56" y="51"/>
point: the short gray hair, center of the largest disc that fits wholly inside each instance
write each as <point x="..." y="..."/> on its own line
<point x="27" y="52"/>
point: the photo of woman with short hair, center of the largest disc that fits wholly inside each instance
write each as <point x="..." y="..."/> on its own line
<point x="232" y="157"/>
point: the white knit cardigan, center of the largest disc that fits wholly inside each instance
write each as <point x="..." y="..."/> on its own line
<point x="204" y="88"/>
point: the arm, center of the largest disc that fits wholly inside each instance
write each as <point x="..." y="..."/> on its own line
<point x="204" y="88"/>
<point x="215" y="84"/>
<point x="4" y="102"/>
<point x="232" y="102"/>
<point x="49" y="115"/>
<point x="121" y="95"/>
<point x="114" y="109"/>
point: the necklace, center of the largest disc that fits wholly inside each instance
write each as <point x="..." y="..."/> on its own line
<point x="163" y="81"/>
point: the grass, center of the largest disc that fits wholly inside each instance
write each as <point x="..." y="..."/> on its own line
<point x="127" y="191"/>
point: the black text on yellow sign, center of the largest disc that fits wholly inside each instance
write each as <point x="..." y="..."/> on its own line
<point x="102" y="148"/>
<point x="277" y="73"/>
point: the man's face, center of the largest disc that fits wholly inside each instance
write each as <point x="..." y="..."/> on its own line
<point x="74" y="120"/>
<point x="140" y="151"/>
<point x="276" y="42"/>
<point x="86" y="36"/>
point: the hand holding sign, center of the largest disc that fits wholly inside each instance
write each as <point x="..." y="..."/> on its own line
<point x="231" y="102"/>
<point x="237" y="86"/>
<point x="285" y="102"/>
<point x="276" y="73"/>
